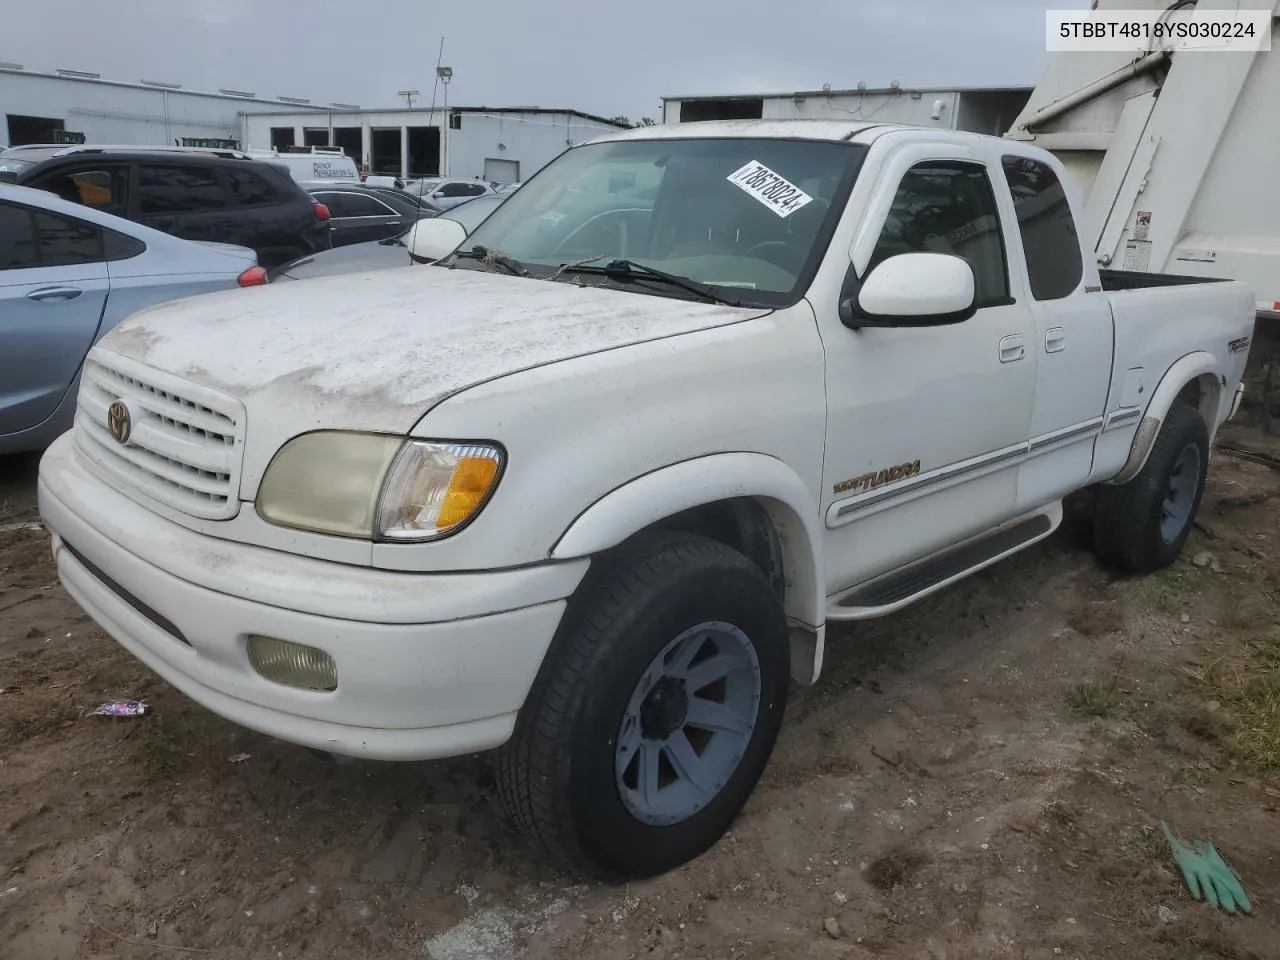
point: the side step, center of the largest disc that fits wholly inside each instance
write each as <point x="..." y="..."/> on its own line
<point x="904" y="586"/>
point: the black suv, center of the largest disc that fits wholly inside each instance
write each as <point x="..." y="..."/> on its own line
<point x="250" y="203"/>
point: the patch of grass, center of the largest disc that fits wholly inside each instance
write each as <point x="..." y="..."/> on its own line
<point x="1165" y="590"/>
<point x="1092" y="700"/>
<point x="1250" y="693"/>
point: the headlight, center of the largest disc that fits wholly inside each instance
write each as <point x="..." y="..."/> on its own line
<point x="434" y="488"/>
<point x="372" y="486"/>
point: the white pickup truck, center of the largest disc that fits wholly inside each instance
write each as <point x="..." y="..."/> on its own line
<point x="589" y="489"/>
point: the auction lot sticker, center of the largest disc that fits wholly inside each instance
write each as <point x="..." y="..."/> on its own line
<point x="773" y="190"/>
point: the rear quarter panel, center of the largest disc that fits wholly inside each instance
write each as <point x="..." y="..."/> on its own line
<point x="1154" y="329"/>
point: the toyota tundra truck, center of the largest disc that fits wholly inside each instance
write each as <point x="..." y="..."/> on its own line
<point x="586" y="487"/>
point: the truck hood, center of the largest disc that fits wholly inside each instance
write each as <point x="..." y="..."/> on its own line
<point x="376" y="350"/>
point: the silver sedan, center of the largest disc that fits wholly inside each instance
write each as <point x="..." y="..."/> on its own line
<point x="68" y="274"/>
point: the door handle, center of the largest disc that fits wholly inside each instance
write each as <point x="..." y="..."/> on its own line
<point x="55" y="293"/>
<point x="1012" y="348"/>
<point x="393" y="223"/>
<point x="1055" y="339"/>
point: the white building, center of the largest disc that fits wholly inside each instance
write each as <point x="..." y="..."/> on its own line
<point x="46" y="107"/>
<point x="975" y="109"/>
<point x="502" y="144"/>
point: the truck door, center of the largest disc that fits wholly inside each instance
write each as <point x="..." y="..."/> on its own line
<point x="1073" y="332"/>
<point x="925" y="424"/>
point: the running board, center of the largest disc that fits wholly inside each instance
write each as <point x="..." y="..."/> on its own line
<point x="900" y="588"/>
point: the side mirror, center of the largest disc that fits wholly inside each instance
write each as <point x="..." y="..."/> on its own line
<point x="433" y="239"/>
<point x="913" y="290"/>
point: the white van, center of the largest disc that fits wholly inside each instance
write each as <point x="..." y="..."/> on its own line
<point x="319" y="165"/>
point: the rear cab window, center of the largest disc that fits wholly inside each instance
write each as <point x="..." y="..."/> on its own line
<point x="1050" y="241"/>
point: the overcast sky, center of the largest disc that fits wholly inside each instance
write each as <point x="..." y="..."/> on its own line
<point x="606" y="58"/>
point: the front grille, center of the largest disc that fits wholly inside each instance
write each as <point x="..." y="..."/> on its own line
<point x="185" y="442"/>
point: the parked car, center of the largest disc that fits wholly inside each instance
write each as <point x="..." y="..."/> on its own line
<point x="68" y="274"/>
<point x="192" y="195"/>
<point x="382" y="254"/>
<point x="16" y="159"/>
<point x="505" y="188"/>
<point x="317" y="165"/>
<point x="446" y="192"/>
<point x="359" y="214"/>
<point x="422" y="202"/>
<point x="597" y="514"/>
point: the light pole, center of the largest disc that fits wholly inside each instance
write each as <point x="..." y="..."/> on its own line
<point x="444" y="75"/>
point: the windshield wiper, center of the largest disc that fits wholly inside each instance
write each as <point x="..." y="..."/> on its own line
<point x="487" y="256"/>
<point x="630" y="270"/>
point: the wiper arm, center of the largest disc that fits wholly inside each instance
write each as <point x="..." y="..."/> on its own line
<point x="629" y="269"/>
<point x="487" y="256"/>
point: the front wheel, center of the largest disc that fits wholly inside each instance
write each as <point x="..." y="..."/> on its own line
<point x="655" y="711"/>
<point x="1141" y="526"/>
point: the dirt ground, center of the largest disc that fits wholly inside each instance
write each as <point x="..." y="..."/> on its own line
<point x="982" y="776"/>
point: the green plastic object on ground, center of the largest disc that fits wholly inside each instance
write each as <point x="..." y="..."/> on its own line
<point x="1208" y="877"/>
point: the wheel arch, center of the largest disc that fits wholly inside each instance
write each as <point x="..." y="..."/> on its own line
<point x="752" y="502"/>
<point x="1194" y="380"/>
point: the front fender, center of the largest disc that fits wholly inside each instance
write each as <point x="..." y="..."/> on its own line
<point x="644" y="501"/>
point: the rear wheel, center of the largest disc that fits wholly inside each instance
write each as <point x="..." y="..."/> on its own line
<point x="655" y="711"/>
<point x="1141" y="526"/>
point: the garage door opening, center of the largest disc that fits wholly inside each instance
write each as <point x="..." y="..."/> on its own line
<point x="424" y="152"/>
<point x="501" y="171"/>
<point x="385" y="150"/>
<point x="351" y="140"/>
<point x="24" y="130"/>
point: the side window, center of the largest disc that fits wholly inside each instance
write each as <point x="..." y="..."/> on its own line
<point x="949" y="207"/>
<point x="336" y="202"/>
<point x="173" y="189"/>
<point x="358" y="205"/>
<point x="101" y="188"/>
<point x="64" y="241"/>
<point x="456" y="190"/>
<point x="475" y="189"/>
<point x="118" y="246"/>
<point x="248" y="189"/>
<point x="17" y="238"/>
<point x="1049" y="239"/>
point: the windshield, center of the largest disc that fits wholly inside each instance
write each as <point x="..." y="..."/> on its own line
<point x="472" y="213"/>
<point x="17" y="161"/>
<point x="751" y="216"/>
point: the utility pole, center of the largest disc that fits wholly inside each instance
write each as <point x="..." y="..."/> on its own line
<point x="408" y="96"/>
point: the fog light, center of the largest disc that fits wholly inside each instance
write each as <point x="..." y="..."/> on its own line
<point x="293" y="664"/>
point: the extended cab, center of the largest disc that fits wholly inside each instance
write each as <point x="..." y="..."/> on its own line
<point x="590" y="489"/>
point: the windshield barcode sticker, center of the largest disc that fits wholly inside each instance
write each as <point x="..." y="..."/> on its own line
<point x="776" y="192"/>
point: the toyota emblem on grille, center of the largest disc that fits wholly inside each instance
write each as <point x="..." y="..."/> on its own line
<point x="119" y="422"/>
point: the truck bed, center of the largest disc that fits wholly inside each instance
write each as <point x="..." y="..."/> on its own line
<point x="1114" y="281"/>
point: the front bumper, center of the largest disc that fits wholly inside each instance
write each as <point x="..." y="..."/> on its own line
<point x="428" y="665"/>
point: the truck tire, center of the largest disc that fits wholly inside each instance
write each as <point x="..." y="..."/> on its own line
<point x="1141" y="526"/>
<point x="619" y="765"/>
